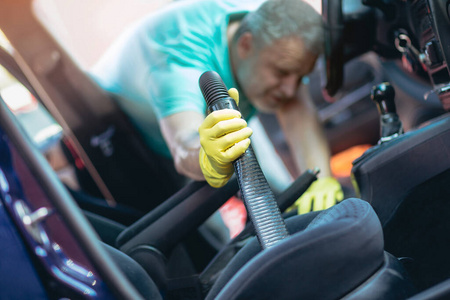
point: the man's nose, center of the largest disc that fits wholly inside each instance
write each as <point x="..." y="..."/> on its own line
<point x="289" y="86"/>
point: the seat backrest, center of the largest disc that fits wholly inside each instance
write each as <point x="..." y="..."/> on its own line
<point x="135" y="273"/>
<point x="386" y="173"/>
<point x="338" y="251"/>
<point x="406" y="182"/>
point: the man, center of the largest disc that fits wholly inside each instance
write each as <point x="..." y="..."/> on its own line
<point x="154" y="69"/>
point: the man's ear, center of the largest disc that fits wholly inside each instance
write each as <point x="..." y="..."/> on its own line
<point x="245" y="45"/>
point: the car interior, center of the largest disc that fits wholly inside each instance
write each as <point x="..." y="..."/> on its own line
<point x="382" y="82"/>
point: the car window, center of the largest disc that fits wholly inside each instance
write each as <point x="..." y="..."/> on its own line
<point x="37" y="122"/>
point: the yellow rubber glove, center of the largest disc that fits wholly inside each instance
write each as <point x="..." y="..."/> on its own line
<point x="224" y="136"/>
<point x="234" y="94"/>
<point x="322" y="194"/>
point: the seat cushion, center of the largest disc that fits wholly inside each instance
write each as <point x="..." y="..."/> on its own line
<point x="340" y="249"/>
<point x="135" y="274"/>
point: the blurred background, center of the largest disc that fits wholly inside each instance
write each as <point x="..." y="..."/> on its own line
<point x="87" y="27"/>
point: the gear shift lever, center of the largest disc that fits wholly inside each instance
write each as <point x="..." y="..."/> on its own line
<point x="391" y="126"/>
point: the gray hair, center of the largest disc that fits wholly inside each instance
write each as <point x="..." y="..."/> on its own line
<point x="276" y="19"/>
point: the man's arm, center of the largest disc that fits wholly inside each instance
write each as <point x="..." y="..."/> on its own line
<point x="180" y="132"/>
<point x="204" y="148"/>
<point x="307" y="142"/>
<point x="304" y="134"/>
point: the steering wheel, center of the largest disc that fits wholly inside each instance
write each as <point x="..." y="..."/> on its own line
<point x="334" y="46"/>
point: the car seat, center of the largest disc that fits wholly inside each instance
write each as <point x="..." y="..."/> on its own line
<point x="406" y="182"/>
<point x="339" y="254"/>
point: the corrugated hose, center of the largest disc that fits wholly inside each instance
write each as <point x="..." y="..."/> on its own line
<point x="256" y="193"/>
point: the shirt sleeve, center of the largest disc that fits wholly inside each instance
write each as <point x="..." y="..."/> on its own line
<point x="175" y="89"/>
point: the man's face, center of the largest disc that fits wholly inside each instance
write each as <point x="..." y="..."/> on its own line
<point x="271" y="76"/>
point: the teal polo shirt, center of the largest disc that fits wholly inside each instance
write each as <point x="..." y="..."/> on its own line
<point x="153" y="69"/>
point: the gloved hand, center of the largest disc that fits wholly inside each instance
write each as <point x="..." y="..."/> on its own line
<point x="224" y="136"/>
<point x="322" y="194"/>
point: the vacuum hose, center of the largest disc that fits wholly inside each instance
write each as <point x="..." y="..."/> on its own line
<point x="256" y="193"/>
